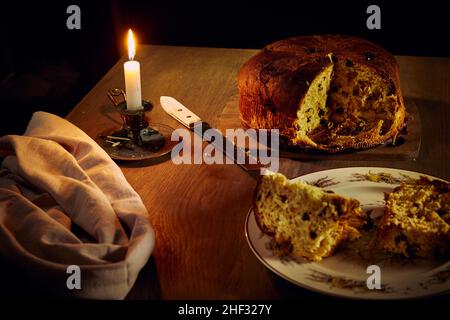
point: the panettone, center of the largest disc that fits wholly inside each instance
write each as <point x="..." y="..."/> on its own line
<point x="329" y="93"/>
<point x="304" y="220"/>
<point x="416" y="221"/>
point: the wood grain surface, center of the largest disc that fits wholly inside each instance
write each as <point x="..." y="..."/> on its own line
<point x="198" y="211"/>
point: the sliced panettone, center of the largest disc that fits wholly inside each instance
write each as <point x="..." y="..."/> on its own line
<point x="326" y="93"/>
<point x="416" y="220"/>
<point x="304" y="220"/>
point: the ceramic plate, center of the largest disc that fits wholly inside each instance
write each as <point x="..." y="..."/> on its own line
<point x="345" y="273"/>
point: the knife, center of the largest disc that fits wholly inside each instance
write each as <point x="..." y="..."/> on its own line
<point x="194" y="123"/>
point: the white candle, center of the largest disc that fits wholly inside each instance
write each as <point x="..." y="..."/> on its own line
<point x="132" y="72"/>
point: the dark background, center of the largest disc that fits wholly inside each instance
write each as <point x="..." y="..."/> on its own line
<point x="45" y="66"/>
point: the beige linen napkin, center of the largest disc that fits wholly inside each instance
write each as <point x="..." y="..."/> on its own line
<point x="64" y="202"/>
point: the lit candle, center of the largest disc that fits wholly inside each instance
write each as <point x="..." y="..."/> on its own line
<point x="132" y="77"/>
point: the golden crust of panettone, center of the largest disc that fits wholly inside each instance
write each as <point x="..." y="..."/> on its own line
<point x="304" y="220"/>
<point x="273" y="83"/>
<point x="416" y="220"/>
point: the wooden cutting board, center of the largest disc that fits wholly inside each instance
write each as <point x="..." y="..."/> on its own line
<point x="408" y="150"/>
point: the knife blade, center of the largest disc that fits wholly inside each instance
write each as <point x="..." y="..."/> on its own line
<point x="194" y="123"/>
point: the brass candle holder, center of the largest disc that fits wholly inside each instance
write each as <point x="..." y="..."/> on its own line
<point x="136" y="139"/>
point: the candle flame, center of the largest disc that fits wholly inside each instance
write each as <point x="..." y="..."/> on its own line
<point x="131" y="45"/>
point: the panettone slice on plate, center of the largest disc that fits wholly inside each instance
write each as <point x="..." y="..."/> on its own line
<point x="416" y="221"/>
<point x="304" y="220"/>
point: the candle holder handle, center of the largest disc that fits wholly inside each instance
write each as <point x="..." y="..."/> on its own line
<point x="113" y="93"/>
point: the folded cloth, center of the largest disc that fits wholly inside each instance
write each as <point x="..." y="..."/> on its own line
<point x="64" y="202"/>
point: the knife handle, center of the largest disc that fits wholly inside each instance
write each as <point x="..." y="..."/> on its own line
<point x="187" y="117"/>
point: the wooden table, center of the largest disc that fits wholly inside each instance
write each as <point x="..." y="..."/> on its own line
<point x="198" y="211"/>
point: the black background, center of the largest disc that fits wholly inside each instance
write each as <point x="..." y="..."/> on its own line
<point x="45" y="66"/>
